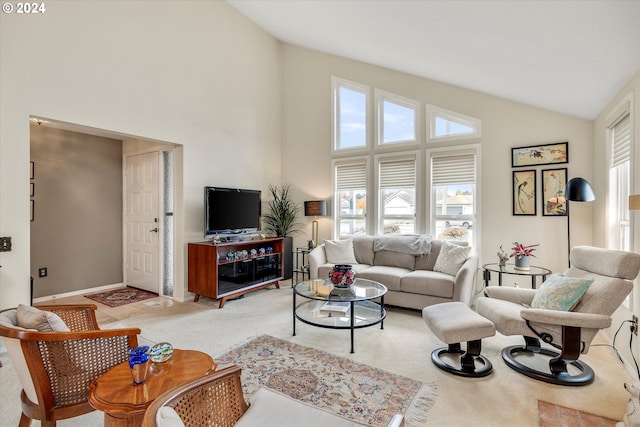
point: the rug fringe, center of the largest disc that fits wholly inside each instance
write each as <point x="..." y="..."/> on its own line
<point x="416" y="415"/>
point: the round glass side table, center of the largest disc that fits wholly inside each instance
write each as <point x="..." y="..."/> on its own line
<point x="533" y="272"/>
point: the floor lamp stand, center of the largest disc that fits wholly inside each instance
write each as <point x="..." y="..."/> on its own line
<point x="314" y="233"/>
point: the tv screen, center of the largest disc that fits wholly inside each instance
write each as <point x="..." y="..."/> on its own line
<point x="231" y="210"/>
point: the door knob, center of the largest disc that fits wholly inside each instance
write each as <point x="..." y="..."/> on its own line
<point x="154" y="230"/>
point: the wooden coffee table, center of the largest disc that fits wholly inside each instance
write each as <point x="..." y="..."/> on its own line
<point x="124" y="404"/>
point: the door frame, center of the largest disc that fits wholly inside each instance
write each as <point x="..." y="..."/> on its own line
<point x="160" y="148"/>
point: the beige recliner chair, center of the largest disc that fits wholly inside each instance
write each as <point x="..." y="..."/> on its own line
<point x="570" y="332"/>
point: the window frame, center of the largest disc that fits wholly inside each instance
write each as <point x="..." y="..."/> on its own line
<point x="379" y="211"/>
<point x="380" y="97"/>
<point x="337" y="214"/>
<point x="336" y="84"/>
<point x="433" y="112"/>
<point x="430" y="207"/>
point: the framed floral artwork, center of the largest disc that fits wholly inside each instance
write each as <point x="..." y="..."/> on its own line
<point x="536" y="155"/>
<point x="554" y="182"/>
<point x="524" y="192"/>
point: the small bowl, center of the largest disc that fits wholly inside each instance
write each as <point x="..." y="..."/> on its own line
<point x="161" y="352"/>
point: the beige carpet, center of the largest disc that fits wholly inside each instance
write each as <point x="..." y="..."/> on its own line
<point x="403" y="347"/>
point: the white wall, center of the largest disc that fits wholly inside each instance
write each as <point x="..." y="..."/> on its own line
<point x="632" y="88"/>
<point x="505" y="124"/>
<point x="195" y="73"/>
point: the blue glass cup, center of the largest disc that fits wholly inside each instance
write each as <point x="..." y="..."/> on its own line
<point x="139" y="363"/>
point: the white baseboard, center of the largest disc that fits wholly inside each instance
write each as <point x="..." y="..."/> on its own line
<point x="79" y="292"/>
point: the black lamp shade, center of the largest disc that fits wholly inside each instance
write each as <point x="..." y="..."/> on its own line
<point x="315" y="208"/>
<point x="579" y="190"/>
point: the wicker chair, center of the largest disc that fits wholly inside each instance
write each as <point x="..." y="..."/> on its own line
<point x="217" y="400"/>
<point x="56" y="368"/>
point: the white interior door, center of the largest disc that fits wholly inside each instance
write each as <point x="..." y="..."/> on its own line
<point x="142" y="212"/>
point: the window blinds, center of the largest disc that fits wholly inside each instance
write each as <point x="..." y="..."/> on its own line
<point x="453" y="169"/>
<point x="352" y="176"/>
<point x="398" y="173"/>
<point x="621" y="146"/>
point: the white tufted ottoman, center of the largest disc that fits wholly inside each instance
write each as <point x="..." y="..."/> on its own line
<point x="453" y="323"/>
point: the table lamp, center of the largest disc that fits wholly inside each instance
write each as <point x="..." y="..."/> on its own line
<point x="315" y="208"/>
<point x="577" y="190"/>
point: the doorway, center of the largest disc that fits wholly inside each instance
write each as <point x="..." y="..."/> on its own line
<point x="82" y="248"/>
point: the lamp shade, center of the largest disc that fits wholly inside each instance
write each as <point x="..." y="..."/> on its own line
<point x="315" y="208"/>
<point x="579" y="190"/>
<point x="634" y="202"/>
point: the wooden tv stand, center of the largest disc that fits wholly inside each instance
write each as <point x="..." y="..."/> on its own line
<point x="215" y="274"/>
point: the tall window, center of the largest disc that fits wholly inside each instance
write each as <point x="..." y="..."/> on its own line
<point x="349" y="114"/>
<point x="397" y="119"/>
<point x="619" y="181"/>
<point x="351" y="197"/>
<point x="453" y="194"/>
<point x="397" y="195"/>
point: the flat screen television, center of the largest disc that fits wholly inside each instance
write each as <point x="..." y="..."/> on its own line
<point x="231" y="211"/>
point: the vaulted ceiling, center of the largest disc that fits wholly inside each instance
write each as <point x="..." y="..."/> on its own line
<point x="567" y="56"/>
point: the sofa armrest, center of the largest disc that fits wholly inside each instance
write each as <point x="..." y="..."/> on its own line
<point x="465" y="280"/>
<point x="317" y="257"/>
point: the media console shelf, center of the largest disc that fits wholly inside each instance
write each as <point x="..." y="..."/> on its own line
<point x="223" y="271"/>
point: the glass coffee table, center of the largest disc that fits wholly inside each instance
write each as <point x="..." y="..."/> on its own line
<point x="349" y="310"/>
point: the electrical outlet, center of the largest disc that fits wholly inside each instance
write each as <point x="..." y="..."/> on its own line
<point x="5" y="244"/>
<point x="42" y="272"/>
<point x="634" y="328"/>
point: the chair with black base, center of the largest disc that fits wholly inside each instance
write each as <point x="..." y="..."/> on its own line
<point x="557" y="323"/>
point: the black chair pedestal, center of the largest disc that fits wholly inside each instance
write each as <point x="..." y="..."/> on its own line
<point x="468" y="360"/>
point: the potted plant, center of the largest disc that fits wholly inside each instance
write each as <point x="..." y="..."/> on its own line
<point x="522" y="254"/>
<point x="280" y="220"/>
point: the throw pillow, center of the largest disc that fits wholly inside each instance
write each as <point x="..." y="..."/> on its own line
<point x="560" y="292"/>
<point x="40" y="320"/>
<point x="168" y="417"/>
<point x="451" y="258"/>
<point x="340" y="251"/>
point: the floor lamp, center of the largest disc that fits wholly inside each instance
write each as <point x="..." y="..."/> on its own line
<point x="577" y="190"/>
<point x="315" y="208"/>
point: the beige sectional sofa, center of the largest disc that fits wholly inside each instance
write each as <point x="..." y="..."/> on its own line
<point x="411" y="279"/>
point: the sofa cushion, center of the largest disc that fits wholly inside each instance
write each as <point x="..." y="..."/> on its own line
<point x="394" y="259"/>
<point x="168" y="417"/>
<point x="560" y="292"/>
<point x="363" y="248"/>
<point x="426" y="282"/>
<point x="340" y="251"/>
<point x="270" y="408"/>
<point x="388" y="276"/>
<point x="43" y="321"/>
<point x="451" y="258"/>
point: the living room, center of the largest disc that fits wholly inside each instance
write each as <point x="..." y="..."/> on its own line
<point x="246" y="111"/>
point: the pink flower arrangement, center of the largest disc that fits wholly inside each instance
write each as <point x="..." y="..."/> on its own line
<point x="521" y="250"/>
<point x="342" y="275"/>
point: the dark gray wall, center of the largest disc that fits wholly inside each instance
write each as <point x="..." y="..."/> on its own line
<point x="77" y="227"/>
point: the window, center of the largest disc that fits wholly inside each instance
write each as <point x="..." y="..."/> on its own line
<point x="453" y="194"/>
<point x="351" y="197"/>
<point x="349" y="114"/>
<point x="447" y="125"/>
<point x="397" y="119"/>
<point x="619" y="133"/>
<point x="397" y="195"/>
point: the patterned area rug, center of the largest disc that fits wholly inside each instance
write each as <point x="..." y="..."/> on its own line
<point x="352" y="390"/>
<point x="118" y="297"/>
